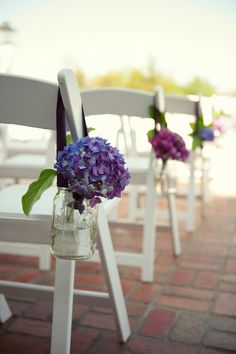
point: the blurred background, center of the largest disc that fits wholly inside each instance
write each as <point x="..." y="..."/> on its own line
<point x="187" y="47"/>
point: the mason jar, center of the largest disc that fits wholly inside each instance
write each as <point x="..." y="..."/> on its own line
<point x="73" y="233"/>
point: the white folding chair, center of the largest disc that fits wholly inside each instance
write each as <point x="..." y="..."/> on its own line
<point x="33" y="103"/>
<point x="24" y="160"/>
<point x="190" y="106"/>
<point x="26" y="163"/>
<point x="134" y="103"/>
<point x="18" y="140"/>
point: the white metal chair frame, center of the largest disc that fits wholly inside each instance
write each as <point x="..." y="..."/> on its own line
<point x="126" y="102"/>
<point x="33" y="103"/>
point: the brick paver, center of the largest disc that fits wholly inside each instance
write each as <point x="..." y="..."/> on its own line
<point x="157" y="323"/>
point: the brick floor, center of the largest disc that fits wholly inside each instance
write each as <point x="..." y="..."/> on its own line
<point x="190" y="308"/>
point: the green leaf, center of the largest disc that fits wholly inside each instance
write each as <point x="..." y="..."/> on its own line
<point x="200" y="123"/>
<point x="192" y="125"/>
<point x="150" y="134"/>
<point x="69" y="139"/>
<point x="161" y="119"/>
<point x="90" y="129"/>
<point x="160" y="116"/>
<point x="36" y="189"/>
<point x="197" y="142"/>
<point x="151" y="111"/>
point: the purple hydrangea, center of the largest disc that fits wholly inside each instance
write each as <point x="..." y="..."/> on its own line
<point x="206" y="134"/>
<point x="93" y="168"/>
<point x="169" y="145"/>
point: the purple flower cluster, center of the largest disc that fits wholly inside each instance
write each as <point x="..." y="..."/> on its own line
<point x="206" y="134"/>
<point x="169" y="145"/>
<point x="93" y="168"/>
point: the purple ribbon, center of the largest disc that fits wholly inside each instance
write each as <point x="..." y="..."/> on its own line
<point x="61" y="133"/>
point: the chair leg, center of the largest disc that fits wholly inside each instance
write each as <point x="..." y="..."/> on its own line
<point x="190" y="215"/>
<point x="133" y="203"/>
<point x="62" y="307"/>
<point x="149" y="231"/>
<point x="44" y="258"/>
<point x="205" y="187"/>
<point x="5" y="312"/>
<point x="174" y="223"/>
<point x="113" y="283"/>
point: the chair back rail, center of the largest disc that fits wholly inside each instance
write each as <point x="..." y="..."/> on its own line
<point x="34" y="102"/>
<point x="117" y="101"/>
<point x="181" y="104"/>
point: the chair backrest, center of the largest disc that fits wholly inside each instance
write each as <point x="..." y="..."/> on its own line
<point x="27" y="101"/>
<point x="31" y="102"/>
<point x="181" y="104"/>
<point x="118" y="101"/>
<point x="182" y="110"/>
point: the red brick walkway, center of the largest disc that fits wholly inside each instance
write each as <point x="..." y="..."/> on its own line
<point x="190" y="308"/>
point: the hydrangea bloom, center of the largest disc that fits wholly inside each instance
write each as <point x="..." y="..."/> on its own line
<point x="93" y="168"/>
<point x="220" y="124"/>
<point x="206" y="134"/>
<point x="169" y="145"/>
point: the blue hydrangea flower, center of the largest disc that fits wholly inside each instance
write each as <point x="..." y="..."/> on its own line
<point x="206" y="134"/>
<point x="93" y="169"/>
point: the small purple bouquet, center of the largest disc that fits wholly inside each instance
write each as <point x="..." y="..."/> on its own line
<point x="93" y="168"/>
<point x="168" y="145"/>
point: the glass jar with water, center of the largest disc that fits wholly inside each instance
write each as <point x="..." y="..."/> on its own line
<point x="73" y="233"/>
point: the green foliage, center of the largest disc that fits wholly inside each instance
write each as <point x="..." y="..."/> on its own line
<point x="110" y="79"/>
<point x="150" y="134"/>
<point x="200" y="123"/>
<point x="69" y="139"/>
<point x="90" y="129"/>
<point x="146" y="80"/>
<point x="197" y="142"/>
<point x="36" y="189"/>
<point x="158" y="116"/>
<point x="199" y="86"/>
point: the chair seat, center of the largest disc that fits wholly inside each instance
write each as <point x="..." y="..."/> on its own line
<point x="23" y="166"/>
<point x="10" y="201"/>
<point x="14" y="148"/>
<point x="22" y="228"/>
<point x="10" y="208"/>
<point x="138" y="168"/>
<point x="137" y="164"/>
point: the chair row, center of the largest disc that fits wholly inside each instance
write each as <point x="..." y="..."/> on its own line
<point x="129" y="103"/>
<point x="33" y="103"/>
